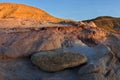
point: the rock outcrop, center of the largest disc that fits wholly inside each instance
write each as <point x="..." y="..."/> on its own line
<point x="93" y="42"/>
<point x="105" y="69"/>
<point x="23" y="42"/>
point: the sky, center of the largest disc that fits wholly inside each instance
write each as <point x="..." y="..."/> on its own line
<point x="75" y="9"/>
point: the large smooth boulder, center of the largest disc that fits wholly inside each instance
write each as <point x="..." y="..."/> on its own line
<point x="57" y="60"/>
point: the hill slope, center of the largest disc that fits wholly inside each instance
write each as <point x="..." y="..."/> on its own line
<point x="108" y="23"/>
<point x="10" y="10"/>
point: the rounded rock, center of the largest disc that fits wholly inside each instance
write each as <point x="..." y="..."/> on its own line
<point x="53" y="61"/>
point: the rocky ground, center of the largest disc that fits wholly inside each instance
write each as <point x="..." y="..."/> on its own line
<point x="77" y="51"/>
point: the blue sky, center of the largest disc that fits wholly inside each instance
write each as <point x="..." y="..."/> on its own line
<point x="75" y="9"/>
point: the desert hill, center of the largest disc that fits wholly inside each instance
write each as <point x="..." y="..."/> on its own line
<point x="108" y="23"/>
<point x="11" y="10"/>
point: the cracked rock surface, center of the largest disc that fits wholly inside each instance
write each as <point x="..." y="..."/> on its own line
<point x="99" y="47"/>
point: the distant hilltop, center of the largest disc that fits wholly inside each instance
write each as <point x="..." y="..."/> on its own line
<point x="11" y="10"/>
<point x="107" y="22"/>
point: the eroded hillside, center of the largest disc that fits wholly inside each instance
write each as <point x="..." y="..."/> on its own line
<point x="10" y="10"/>
<point x="108" y="23"/>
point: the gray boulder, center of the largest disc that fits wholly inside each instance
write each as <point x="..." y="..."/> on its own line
<point x="57" y="60"/>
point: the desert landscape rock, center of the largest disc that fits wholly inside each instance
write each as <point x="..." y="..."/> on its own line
<point x="26" y="38"/>
<point x="57" y="60"/>
<point x="102" y="70"/>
